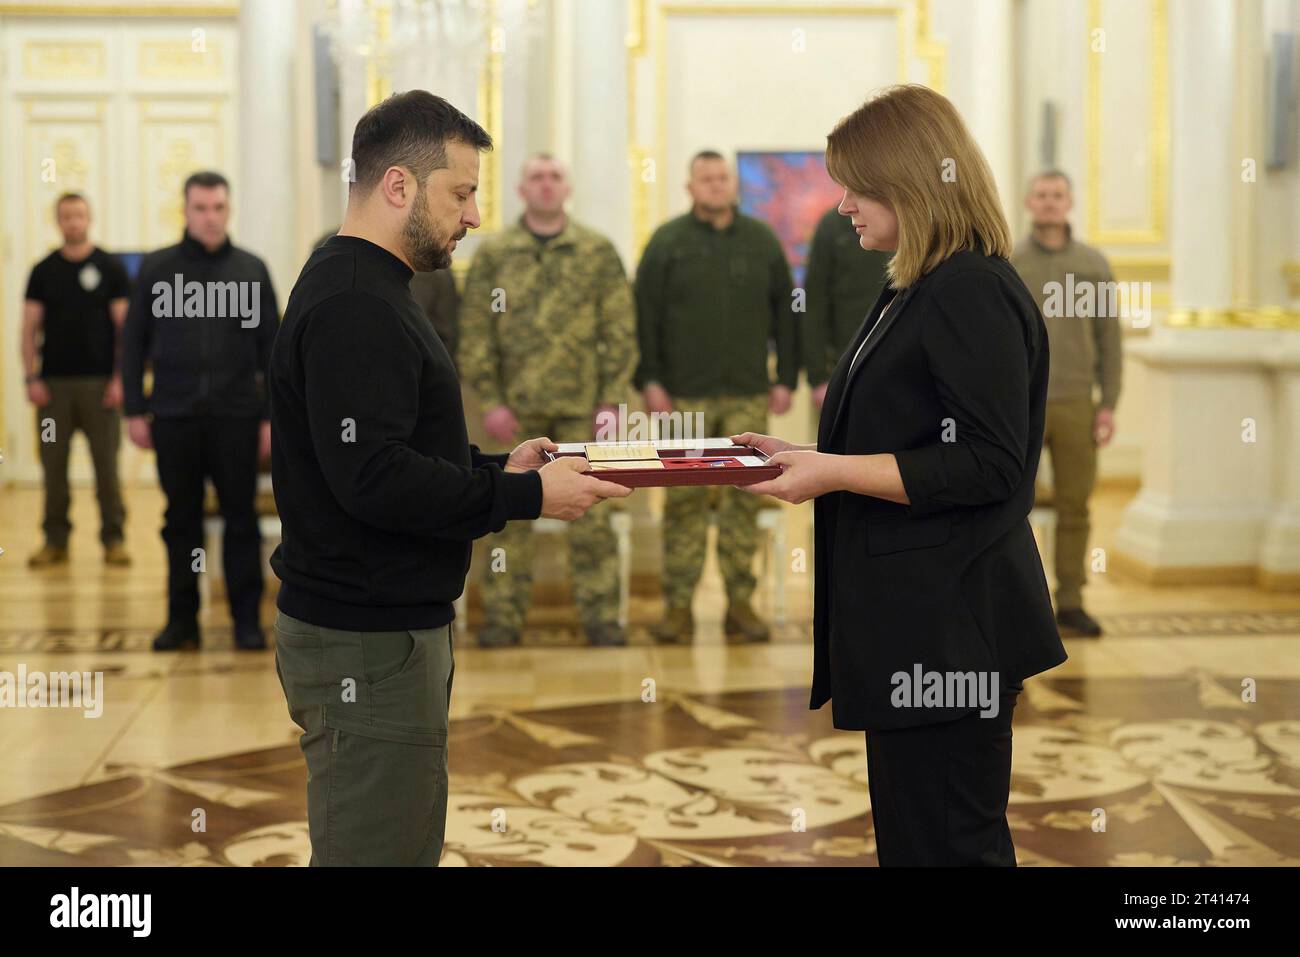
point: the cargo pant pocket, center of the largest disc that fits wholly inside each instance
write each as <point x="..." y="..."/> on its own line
<point x="387" y="793"/>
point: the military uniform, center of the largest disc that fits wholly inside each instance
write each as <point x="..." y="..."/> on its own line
<point x="843" y="282"/>
<point x="548" y="329"/>
<point x="709" y="301"/>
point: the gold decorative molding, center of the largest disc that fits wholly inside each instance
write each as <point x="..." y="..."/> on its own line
<point x="64" y="59"/>
<point x="1244" y="317"/>
<point x="1291" y="271"/>
<point x="1141" y="268"/>
<point x="179" y="119"/>
<point x="490" y="118"/>
<point x="1154" y="233"/>
<point x="379" y="67"/>
<point x="19" y="9"/>
<point x="1136" y="568"/>
<point x="177" y="60"/>
<point x="929" y="49"/>
<point x="637" y="153"/>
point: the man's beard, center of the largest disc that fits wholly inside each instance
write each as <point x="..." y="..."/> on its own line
<point x="426" y="247"/>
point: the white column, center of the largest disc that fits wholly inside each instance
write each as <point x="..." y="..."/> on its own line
<point x="1279" y="562"/>
<point x="597" y="122"/>
<point x="1213" y="435"/>
<point x="980" y="37"/>
<point x="264" y="203"/>
<point x="1201" y="44"/>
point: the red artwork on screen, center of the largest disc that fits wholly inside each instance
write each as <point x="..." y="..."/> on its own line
<point x="790" y="191"/>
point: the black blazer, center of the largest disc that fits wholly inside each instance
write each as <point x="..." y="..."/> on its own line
<point x="954" y="383"/>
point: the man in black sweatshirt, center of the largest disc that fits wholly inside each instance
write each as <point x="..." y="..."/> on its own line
<point x="380" y="493"/>
<point x="203" y="317"/>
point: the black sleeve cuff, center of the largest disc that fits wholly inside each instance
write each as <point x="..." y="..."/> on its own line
<point x="478" y="459"/>
<point x="924" y="476"/>
<point x="523" y="491"/>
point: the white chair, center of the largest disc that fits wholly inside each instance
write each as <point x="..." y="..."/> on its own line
<point x="772" y="521"/>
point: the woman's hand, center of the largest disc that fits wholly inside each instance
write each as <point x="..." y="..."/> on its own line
<point x="805" y="474"/>
<point x="767" y="444"/>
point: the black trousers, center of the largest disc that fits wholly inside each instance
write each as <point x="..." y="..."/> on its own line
<point x="939" y="792"/>
<point x="224" y="449"/>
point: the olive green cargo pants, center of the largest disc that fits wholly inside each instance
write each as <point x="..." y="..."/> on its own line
<point x="373" y="709"/>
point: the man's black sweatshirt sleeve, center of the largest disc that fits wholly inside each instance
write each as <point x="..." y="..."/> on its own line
<point x="362" y="382"/>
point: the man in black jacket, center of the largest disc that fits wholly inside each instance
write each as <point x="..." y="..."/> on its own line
<point x="380" y="493"/>
<point x="203" y="317"/>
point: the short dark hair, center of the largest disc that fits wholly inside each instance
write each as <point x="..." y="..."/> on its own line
<point x="69" y="198"/>
<point x="409" y="129"/>
<point x="705" y="155"/>
<point x="205" y="178"/>
<point x="1051" y="174"/>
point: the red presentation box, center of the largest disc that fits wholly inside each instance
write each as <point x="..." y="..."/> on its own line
<point x="716" y="461"/>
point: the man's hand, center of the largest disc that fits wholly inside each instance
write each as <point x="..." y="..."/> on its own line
<point x="778" y="400"/>
<point x="1103" y="426"/>
<point x="500" y="423"/>
<point x="113" y="393"/>
<point x="567" y="493"/>
<point x="264" y="441"/>
<point x="138" y="431"/>
<point x="657" y="399"/>
<point x="769" y="444"/>
<point x="528" y="457"/>
<point x="38" y="393"/>
<point x="819" y="394"/>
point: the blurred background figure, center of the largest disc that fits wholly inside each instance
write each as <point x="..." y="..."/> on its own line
<point x="843" y="281"/>
<point x="76" y="303"/>
<point x="712" y="291"/>
<point x="207" y="416"/>
<point x="1085" y="353"/>
<point x="549" y="347"/>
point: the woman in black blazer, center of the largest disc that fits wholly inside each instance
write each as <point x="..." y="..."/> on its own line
<point x="930" y="602"/>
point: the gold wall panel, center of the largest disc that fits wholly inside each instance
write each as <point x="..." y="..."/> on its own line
<point x="177" y="138"/>
<point x="64" y="142"/>
<point x="1153" y="231"/>
<point x="64" y="60"/>
<point x="177" y="60"/>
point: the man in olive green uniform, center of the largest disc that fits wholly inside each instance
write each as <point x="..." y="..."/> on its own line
<point x="1085" y="351"/>
<point x="842" y="282"/>
<point x="712" y="290"/>
<point x="548" y="340"/>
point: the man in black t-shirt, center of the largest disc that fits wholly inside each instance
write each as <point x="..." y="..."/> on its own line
<point x="76" y="300"/>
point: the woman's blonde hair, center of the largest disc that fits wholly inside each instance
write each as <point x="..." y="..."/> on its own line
<point x="907" y="146"/>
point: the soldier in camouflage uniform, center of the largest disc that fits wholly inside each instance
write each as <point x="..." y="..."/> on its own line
<point x="548" y="340"/>
<point x="712" y="290"/>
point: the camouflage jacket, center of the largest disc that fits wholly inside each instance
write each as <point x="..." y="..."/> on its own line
<point x="548" y="328"/>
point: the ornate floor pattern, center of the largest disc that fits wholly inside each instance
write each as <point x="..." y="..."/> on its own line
<point x="566" y="634"/>
<point x="1182" y="771"/>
